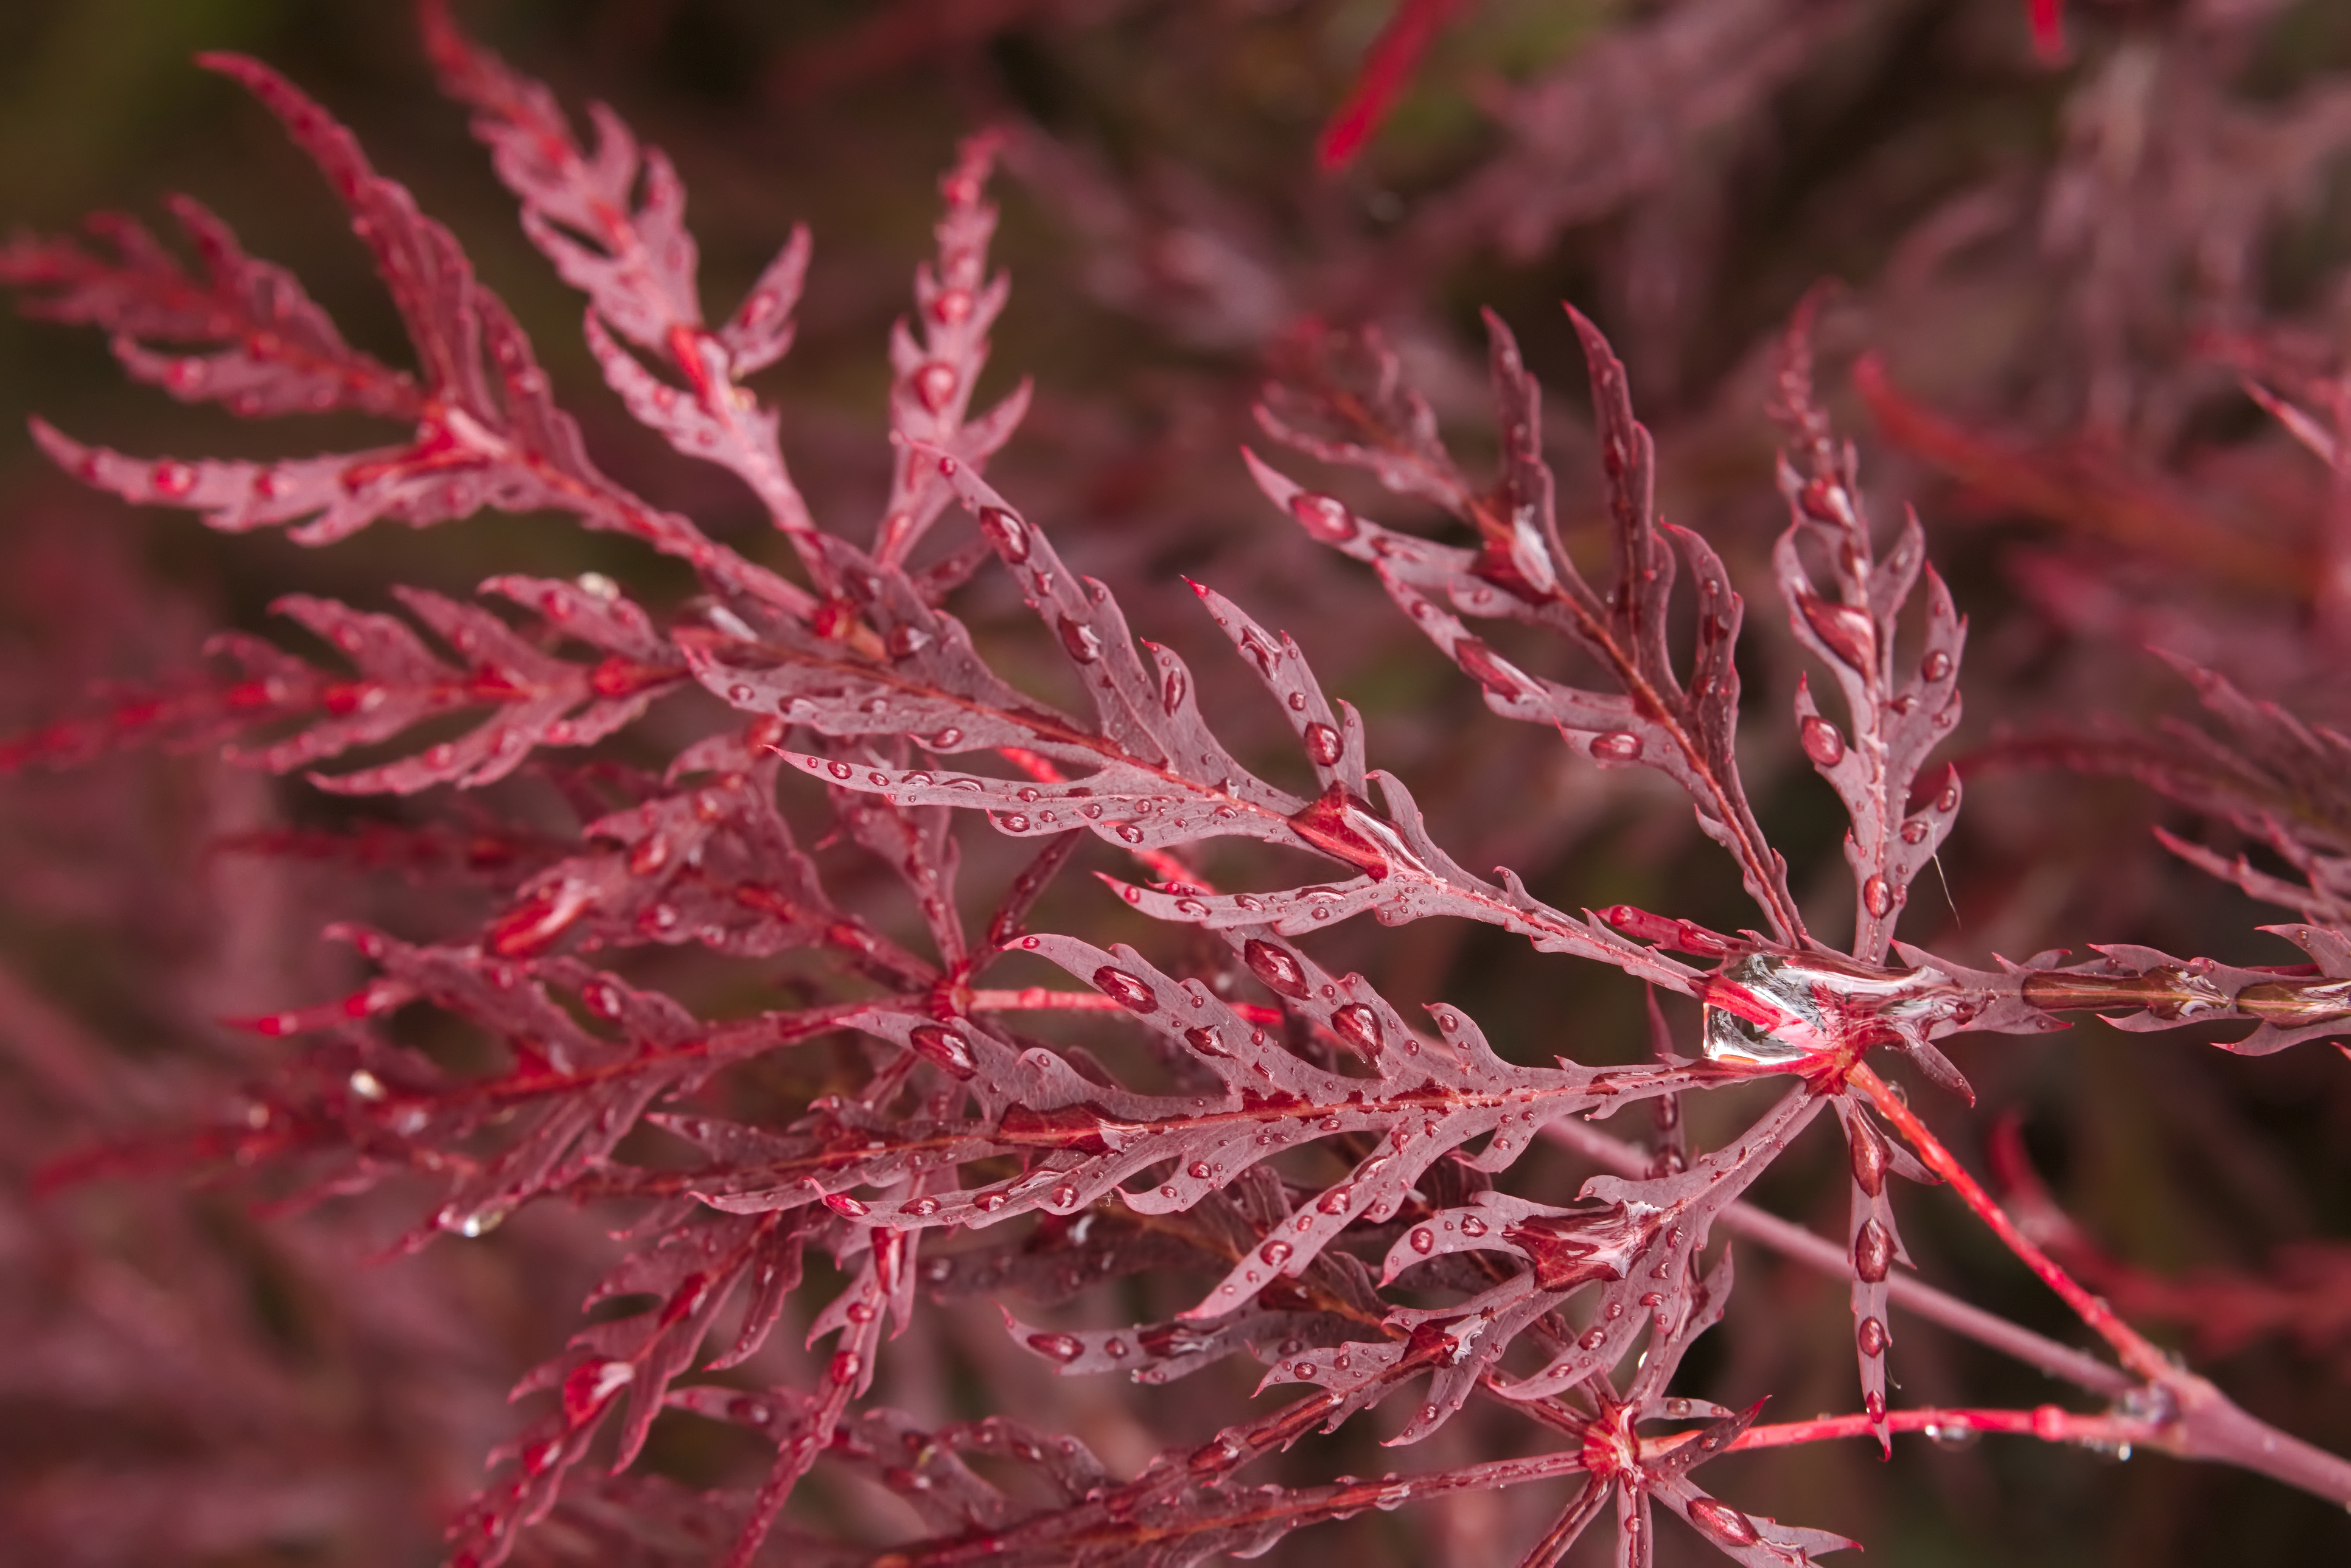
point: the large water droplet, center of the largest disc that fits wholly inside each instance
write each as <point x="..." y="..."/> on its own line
<point x="1617" y="746"/>
<point x="1081" y="639"/>
<point x="1846" y="631"/>
<point x="1324" y="744"/>
<point x="1820" y="740"/>
<point x="945" y="1048"/>
<point x="1061" y="1347"/>
<point x="1877" y="897"/>
<point x="1870" y="1156"/>
<point x="1723" y="1522"/>
<point x="934" y="383"/>
<point x="1424" y="1239"/>
<point x="1207" y="1040"/>
<point x="1872" y="1337"/>
<point x="1359" y="1026"/>
<point x="1935" y="665"/>
<point x="1126" y="989"/>
<point x="1007" y="533"/>
<point x="1488" y="669"/>
<point x="1873" y="1251"/>
<point x="1324" y="517"/>
<point x="1276" y="967"/>
<point x="1275" y="1253"/>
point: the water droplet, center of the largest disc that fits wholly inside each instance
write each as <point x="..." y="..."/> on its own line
<point x="1594" y="1338"/>
<point x="1013" y="822"/>
<point x="1846" y="631"/>
<point x="1915" y="831"/>
<point x="1275" y="1253"/>
<point x="944" y="1047"/>
<point x="1125" y="990"/>
<point x="951" y="307"/>
<point x="904" y="641"/>
<point x="840" y="1203"/>
<point x="1326" y="517"/>
<point x="1873" y="1405"/>
<point x="1820" y="740"/>
<point x="1079" y="639"/>
<point x="1276" y="967"/>
<point x="1935" y="665"/>
<point x="171" y="478"/>
<point x="1324" y="744"/>
<point x="858" y="1311"/>
<point x="839" y="769"/>
<point x="1065" y="1197"/>
<point x="1617" y="746"/>
<point x="1172" y="690"/>
<point x="924" y="1207"/>
<point x="934" y="383"/>
<point x="1359" y="1026"/>
<point x="1007" y="533"/>
<point x="989" y="1202"/>
<point x="1199" y="1170"/>
<point x="1873" y="1251"/>
<point x="1490" y="669"/>
<point x="1207" y="1040"/>
<point x="1870" y="1156"/>
<point x="1872" y="1337"/>
<point x="1721" y="1522"/>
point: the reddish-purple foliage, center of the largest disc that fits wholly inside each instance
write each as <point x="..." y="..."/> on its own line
<point x="1411" y="1281"/>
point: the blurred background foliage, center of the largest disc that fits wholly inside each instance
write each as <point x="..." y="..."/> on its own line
<point x="2042" y="256"/>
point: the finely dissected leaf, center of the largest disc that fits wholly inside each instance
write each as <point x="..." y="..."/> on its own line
<point x="1263" y="1152"/>
<point x="1522" y="573"/>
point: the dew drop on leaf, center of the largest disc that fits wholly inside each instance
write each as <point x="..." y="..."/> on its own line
<point x="1935" y="665"/>
<point x="1199" y="1170"/>
<point x="1007" y="533"/>
<point x="1275" y="967"/>
<point x="1126" y="989"/>
<point x="1326" y="517"/>
<point x="1275" y="1253"/>
<point x="1079" y="639"/>
<point x="1870" y="1157"/>
<point x="1490" y="671"/>
<point x="1820" y="740"/>
<point x="1206" y="1040"/>
<point x="1424" y="1239"/>
<point x="1872" y="1337"/>
<point x="1323" y="743"/>
<point x="1617" y="746"/>
<point x="1359" y="1026"/>
<point x="1722" y="1523"/>
<point x="944" y="1047"/>
<point x="1873" y="1251"/>
<point x="1472" y="1226"/>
